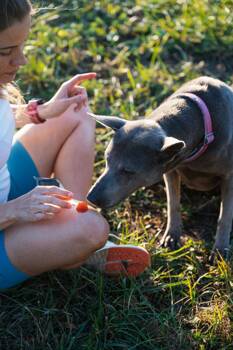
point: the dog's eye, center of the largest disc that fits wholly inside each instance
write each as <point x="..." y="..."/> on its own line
<point x="128" y="171"/>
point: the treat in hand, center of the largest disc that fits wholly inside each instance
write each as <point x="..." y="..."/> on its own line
<point x="81" y="207"/>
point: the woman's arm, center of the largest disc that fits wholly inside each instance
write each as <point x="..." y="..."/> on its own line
<point x="69" y="93"/>
<point x="48" y="110"/>
<point x="42" y="202"/>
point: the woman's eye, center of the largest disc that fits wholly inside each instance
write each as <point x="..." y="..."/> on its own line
<point x="5" y="53"/>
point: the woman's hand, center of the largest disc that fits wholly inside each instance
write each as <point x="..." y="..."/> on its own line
<point x="70" y="93"/>
<point x="43" y="202"/>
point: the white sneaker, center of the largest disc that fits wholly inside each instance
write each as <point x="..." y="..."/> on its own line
<point x="113" y="259"/>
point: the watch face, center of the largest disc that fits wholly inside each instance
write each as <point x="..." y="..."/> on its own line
<point x="45" y="181"/>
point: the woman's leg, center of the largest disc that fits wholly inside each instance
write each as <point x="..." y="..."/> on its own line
<point x="67" y="240"/>
<point x="63" y="146"/>
<point x="74" y="162"/>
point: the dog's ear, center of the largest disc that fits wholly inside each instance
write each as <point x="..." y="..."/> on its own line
<point x="114" y="123"/>
<point x="171" y="147"/>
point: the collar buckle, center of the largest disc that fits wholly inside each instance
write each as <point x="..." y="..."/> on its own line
<point x="209" y="138"/>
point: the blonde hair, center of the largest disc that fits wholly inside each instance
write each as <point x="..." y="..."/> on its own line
<point x="11" y="93"/>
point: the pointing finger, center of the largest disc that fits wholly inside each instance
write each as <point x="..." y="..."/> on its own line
<point x="80" y="78"/>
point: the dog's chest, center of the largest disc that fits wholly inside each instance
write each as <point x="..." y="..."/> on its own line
<point x="198" y="180"/>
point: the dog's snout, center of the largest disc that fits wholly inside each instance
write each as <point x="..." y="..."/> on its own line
<point x="98" y="198"/>
<point x="105" y="192"/>
<point x="92" y="199"/>
<point x="92" y="204"/>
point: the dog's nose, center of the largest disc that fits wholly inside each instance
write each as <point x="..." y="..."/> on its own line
<point x="92" y="204"/>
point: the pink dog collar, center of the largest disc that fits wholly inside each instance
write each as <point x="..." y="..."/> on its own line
<point x="209" y="134"/>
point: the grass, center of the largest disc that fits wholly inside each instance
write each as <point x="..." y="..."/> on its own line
<point x="142" y="51"/>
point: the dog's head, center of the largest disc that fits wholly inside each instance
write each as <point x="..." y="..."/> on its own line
<point x="137" y="156"/>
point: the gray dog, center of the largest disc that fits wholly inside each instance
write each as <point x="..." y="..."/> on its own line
<point x="189" y="137"/>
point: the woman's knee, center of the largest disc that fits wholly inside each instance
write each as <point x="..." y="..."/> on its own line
<point x="86" y="127"/>
<point x="100" y="233"/>
<point x="79" y="119"/>
<point x="94" y="232"/>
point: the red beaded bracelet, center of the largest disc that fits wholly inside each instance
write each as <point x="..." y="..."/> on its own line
<point x="32" y="111"/>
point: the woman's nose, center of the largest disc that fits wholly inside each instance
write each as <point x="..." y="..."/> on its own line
<point x="19" y="60"/>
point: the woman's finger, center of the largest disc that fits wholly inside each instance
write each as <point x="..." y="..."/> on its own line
<point x="47" y="190"/>
<point x="77" y="90"/>
<point x="55" y="200"/>
<point x="77" y="79"/>
<point x="77" y="99"/>
<point x="49" y="208"/>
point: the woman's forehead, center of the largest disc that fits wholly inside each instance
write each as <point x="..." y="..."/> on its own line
<point x="16" y="34"/>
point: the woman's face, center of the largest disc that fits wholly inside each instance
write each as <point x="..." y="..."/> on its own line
<point x="12" y="42"/>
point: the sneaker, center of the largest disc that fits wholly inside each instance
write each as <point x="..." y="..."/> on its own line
<point x="126" y="260"/>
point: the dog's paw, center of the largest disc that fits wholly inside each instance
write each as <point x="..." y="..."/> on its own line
<point x="219" y="253"/>
<point x="170" y="241"/>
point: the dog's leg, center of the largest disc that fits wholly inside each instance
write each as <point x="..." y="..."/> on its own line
<point x="173" y="231"/>
<point x="222" y="240"/>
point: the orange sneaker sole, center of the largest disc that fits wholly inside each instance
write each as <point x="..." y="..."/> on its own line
<point x="126" y="260"/>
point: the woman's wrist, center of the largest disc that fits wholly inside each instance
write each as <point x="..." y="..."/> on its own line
<point x="7" y="214"/>
<point x="35" y="111"/>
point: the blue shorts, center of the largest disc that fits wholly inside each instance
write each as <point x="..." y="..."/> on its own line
<point x="22" y="170"/>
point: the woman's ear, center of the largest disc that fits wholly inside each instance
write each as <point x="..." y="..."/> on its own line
<point x="114" y="123"/>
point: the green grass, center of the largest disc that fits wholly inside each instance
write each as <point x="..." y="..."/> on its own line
<point x="142" y="51"/>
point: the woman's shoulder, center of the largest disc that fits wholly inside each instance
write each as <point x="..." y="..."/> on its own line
<point x="5" y="107"/>
<point x="6" y="116"/>
<point x="4" y="103"/>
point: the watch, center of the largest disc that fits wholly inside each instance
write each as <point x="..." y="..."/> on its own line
<point x="32" y="111"/>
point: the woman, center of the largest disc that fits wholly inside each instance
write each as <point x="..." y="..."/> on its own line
<point x="40" y="229"/>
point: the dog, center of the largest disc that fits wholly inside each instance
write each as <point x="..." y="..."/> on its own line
<point x="188" y="138"/>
